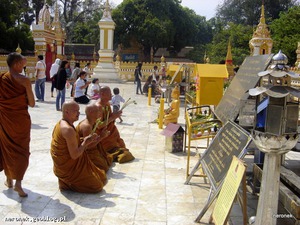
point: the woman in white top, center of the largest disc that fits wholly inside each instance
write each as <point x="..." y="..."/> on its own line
<point x="95" y="89"/>
<point x="80" y="86"/>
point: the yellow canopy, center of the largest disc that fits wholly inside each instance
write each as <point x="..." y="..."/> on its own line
<point x="211" y="70"/>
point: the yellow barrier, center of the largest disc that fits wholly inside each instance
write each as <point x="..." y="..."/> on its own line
<point x="161" y="113"/>
<point x="149" y="95"/>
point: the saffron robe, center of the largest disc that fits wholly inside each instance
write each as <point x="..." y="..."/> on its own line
<point x="97" y="154"/>
<point x="113" y="143"/>
<point x="80" y="174"/>
<point x="15" y="125"/>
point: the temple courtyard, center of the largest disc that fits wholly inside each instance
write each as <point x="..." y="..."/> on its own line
<point x="147" y="191"/>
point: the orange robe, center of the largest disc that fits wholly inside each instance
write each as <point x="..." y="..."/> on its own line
<point x="15" y="125"/>
<point x="113" y="143"/>
<point x="97" y="154"/>
<point x="80" y="174"/>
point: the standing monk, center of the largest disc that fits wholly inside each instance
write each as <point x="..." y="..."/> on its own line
<point x="113" y="143"/>
<point x="95" y="152"/>
<point x="75" y="171"/>
<point x="15" y="123"/>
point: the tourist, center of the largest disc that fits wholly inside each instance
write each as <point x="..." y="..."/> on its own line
<point x="88" y="71"/>
<point x="138" y="78"/>
<point x="71" y="164"/>
<point x="15" y="97"/>
<point x="74" y="77"/>
<point x="95" y="89"/>
<point x="80" y="86"/>
<point x="61" y="84"/>
<point x="155" y="75"/>
<point x="53" y="74"/>
<point x="113" y="143"/>
<point x="40" y="79"/>
<point x="116" y="101"/>
<point x="95" y="152"/>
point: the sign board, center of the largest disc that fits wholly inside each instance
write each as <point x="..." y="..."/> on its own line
<point x="245" y="79"/>
<point x="228" y="191"/>
<point x="130" y="57"/>
<point x="230" y="141"/>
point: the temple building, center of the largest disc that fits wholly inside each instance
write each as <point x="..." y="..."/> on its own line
<point x="49" y="37"/>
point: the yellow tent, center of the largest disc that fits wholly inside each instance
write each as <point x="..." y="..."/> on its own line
<point x="172" y="69"/>
<point x="209" y="83"/>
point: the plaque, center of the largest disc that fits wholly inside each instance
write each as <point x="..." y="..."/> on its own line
<point x="230" y="141"/>
<point x="245" y="79"/>
<point x="228" y="191"/>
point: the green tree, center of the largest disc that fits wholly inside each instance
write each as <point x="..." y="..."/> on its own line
<point x="286" y="34"/>
<point x="247" y="12"/>
<point x="239" y="36"/>
<point x="15" y="19"/>
<point x="156" y="24"/>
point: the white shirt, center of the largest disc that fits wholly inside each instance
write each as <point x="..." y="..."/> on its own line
<point x="117" y="99"/>
<point x="79" y="92"/>
<point x="94" y="87"/>
<point x="41" y="69"/>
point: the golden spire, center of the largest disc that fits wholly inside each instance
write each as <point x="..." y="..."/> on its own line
<point x="262" y="30"/>
<point x="228" y="60"/>
<point x="56" y="23"/>
<point x="18" y="49"/>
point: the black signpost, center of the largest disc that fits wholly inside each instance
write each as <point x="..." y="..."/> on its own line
<point x="230" y="141"/>
<point x="245" y="79"/>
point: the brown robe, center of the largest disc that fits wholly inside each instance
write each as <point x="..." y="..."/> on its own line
<point x="15" y="125"/>
<point x="80" y="174"/>
<point x="113" y="143"/>
<point x="97" y="154"/>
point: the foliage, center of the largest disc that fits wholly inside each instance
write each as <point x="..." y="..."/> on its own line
<point x="286" y="34"/>
<point x="153" y="23"/>
<point x="239" y="36"/>
<point x="247" y="12"/>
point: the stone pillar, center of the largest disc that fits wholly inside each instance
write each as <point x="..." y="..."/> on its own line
<point x="105" y="71"/>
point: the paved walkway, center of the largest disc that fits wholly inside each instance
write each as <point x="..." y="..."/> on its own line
<point x="148" y="191"/>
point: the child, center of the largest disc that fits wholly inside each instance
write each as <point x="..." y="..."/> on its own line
<point x="95" y="89"/>
<point x="116" y="100"/>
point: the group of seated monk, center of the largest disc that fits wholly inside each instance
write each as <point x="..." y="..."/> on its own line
<point x="82" y="155"/>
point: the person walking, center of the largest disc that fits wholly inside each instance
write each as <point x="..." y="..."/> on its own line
<point x="15" y="97"/>
<point x="138" y="78"/>
<point x="61" y="84"/>
<point x="53" y="72"/>
<point x="40" y="79"/>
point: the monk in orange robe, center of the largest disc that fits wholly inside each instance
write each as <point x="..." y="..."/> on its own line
<point x="15" y="123"/>
<point x="72" y="166"/>
<point x="95" y="152"/>
<point x="113" y="143"/>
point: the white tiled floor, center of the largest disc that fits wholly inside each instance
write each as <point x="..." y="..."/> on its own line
<point x="148" y="191"/>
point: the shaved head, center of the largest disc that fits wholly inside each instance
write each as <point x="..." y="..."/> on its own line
<point x="69" y="106"/>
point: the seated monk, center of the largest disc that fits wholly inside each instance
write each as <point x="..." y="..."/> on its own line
<point x="113" y="143"/>
<point x="95" y="152"/>
<point x="172" y="113"/>
<point x="72" y="166"/>
<point x="15" y="123"/>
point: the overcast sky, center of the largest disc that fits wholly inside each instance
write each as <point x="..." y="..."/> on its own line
<point x="205" y="8"/>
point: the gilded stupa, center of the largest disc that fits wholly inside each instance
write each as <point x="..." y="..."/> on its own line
<point x="261" y="42"/>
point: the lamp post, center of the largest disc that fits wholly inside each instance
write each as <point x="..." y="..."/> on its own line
<point x="279" y="134"/>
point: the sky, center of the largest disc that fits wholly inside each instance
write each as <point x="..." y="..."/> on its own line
<point x="205" y="8"/>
